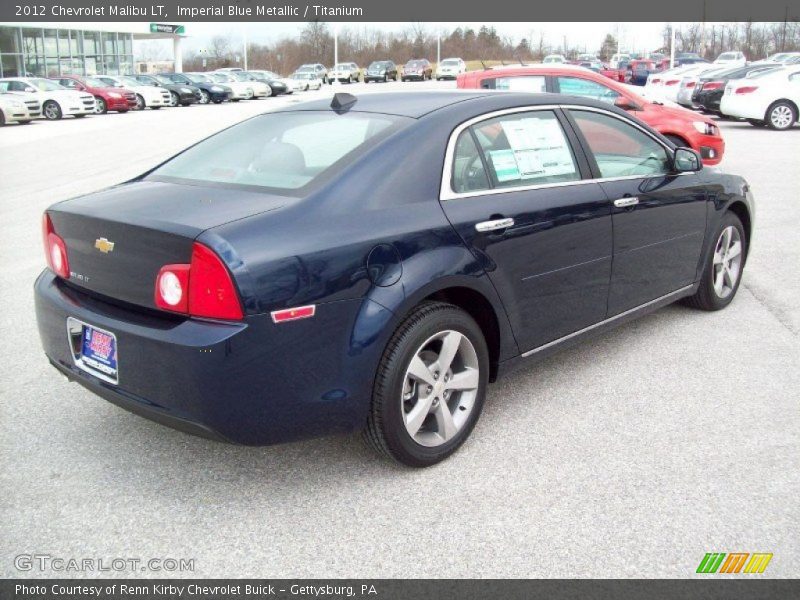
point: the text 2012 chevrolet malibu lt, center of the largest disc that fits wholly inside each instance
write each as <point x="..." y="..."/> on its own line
<point x="373" y="263"/>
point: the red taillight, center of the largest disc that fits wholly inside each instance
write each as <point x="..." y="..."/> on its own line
<point x="656" y="80"/>
<point x="712" y="85"/>
<point x="671" y="82"/>
<point x="691" y="84"/>
<point x="211" y="289"/>
<point x="746" y="89"/>
<point x="203" y="288"/>
<point x="55" y="249"/>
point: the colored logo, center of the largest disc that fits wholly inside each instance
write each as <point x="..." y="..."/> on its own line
<point x="104" y="245"/>
<point x="734" y="562"/>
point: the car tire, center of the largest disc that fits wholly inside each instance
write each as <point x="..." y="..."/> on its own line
<point x="174" y="100"/>
<point x="781" y="115"/>
<point x="140" y="103"/>
<point x="722" y="273"/>
<point x="205" y="97"/>
<point x="444" y="417"/>
<point x="757" y="123"/>
<point x="385" y="78"/>
<point x="100" y="106"/>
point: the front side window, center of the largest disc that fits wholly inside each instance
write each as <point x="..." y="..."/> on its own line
<point x="283" y="151"/>
<point x="574" y="86"/>
<point x="619" y="148"/>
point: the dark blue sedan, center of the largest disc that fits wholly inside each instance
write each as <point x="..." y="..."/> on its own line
<point x="373" y="263"/>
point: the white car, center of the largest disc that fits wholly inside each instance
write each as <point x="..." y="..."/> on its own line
<point x="147" y="96"/>
<point x="767" y="98"/>
<point x="56" y="100"/>
<point x="239" y="89"/>
<point x="731" y="59"/>
<point x="260" y="89"/>
<point x="450" y="68"/>
<point x="307" y="81"/>
<point x="782" y="58"/>
<point x="554" y="59"/>
<point x="587" y="57"/>
<point x="14" y="109"/>
<point x="317" y="69"/>
<point x="344" y="73"/>
<point x="667" y="84"/>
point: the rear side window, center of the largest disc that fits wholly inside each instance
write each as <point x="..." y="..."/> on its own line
<point x="469" y="174"/>
<point x="522" y="83"/>
<point x="282" y="151"/>
<point x="574" y="86"/>
<point x="619" y="148"/>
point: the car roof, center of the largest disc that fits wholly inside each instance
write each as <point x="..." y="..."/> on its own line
<point x="418" y="104"/>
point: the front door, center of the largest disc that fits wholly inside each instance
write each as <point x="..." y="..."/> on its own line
<point x="659" y="216"/>
<point x="520" y="199"/>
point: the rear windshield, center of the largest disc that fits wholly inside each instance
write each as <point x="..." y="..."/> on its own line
<point x="280" y="151"/>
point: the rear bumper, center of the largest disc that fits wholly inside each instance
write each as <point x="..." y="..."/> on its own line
<point x="250" y="382"/>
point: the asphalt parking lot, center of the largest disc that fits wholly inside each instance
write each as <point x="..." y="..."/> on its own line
<point x="630" y="456"/>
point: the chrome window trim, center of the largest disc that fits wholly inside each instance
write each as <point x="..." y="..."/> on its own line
<point x="446" y="191"/>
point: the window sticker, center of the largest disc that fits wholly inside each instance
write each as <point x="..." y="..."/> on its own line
<point x="539" y="148"/>
<point x="505" y="165"/>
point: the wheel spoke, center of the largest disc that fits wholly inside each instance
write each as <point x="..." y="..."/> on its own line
<point x="735" y="249"/>
<point x="450" y="345"/>
<point x="465" y="380"/>
<point x="444" y="420"/>
<point x="718" y="257"/>
<point x="719" y="278"/>
<point x="728" y="278"/>
<point x="420" y="371"/>
<point x="416" y="415"/>
<point x="726" y="239"/>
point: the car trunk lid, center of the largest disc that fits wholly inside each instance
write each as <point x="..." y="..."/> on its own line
<point x="118" y="239"/>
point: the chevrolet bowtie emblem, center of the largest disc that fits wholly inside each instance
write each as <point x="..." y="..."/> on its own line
<point x="104" y="245"/>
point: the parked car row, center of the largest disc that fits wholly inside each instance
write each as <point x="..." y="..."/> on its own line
<point x="23" y="99"/>
<point x="765" y="93"/>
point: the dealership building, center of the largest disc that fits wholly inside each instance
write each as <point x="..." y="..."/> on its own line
<point x="53" y="49"/>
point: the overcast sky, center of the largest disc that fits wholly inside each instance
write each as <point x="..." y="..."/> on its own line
<point x="635" y="36"/>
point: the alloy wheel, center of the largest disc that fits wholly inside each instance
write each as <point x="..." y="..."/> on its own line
<point x="139" y="102"/>
<point x="51" y="111"/>
<point x="205" y="97"/>
<point x="440" y="388"/>
<point x="727" y="262"/>
<point x="781" y="117"/>
<point x="99" y="106"/>
<point x="173" y="99"/>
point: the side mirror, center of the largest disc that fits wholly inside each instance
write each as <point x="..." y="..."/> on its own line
<point x="687" y="160"/>
<point x="626" y="104"/>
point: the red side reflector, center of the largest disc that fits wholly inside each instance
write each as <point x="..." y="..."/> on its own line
<point x="293" y="314"/>
<point x="655" y="80"/>
<point x="671" y="82"/>
<point x="712" y="85"/>
<point x="691" y="84"/>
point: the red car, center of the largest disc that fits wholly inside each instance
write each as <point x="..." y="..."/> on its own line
<point x="106" y="97"/>
<point x="615" y="74"/>
<point x="682" y="127"/>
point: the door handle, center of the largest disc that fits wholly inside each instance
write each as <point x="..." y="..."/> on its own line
<point x="494" y="225"/>
<point x="623" y="202"/>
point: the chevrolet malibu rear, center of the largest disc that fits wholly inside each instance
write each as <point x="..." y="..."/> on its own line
<point x="174" y="297"/>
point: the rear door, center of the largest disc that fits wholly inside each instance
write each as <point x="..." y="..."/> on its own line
<point x="516" y="189"/>
<point x="659" y="216"/>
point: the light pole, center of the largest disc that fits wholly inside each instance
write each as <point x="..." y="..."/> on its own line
<point x="335" y="49"/>
<point x="244" y="54"/>
<point x="672" y="46"/>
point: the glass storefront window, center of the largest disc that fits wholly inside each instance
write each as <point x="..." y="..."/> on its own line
<point x="74" y="43"/>
<point x="11" y="65"/>
<point x="91" y="42"/>
<point x="9" y="40"/>
<point x="126" y="43"/>
<point x="110" y="43"/>
<point x="126" y="65"/>
<point x="91" y="63"/>
<point x="51" y="66"/>
<point x="50" y="42"/>
<point x="35" y="66"/>
<point x="32" y="42"/>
